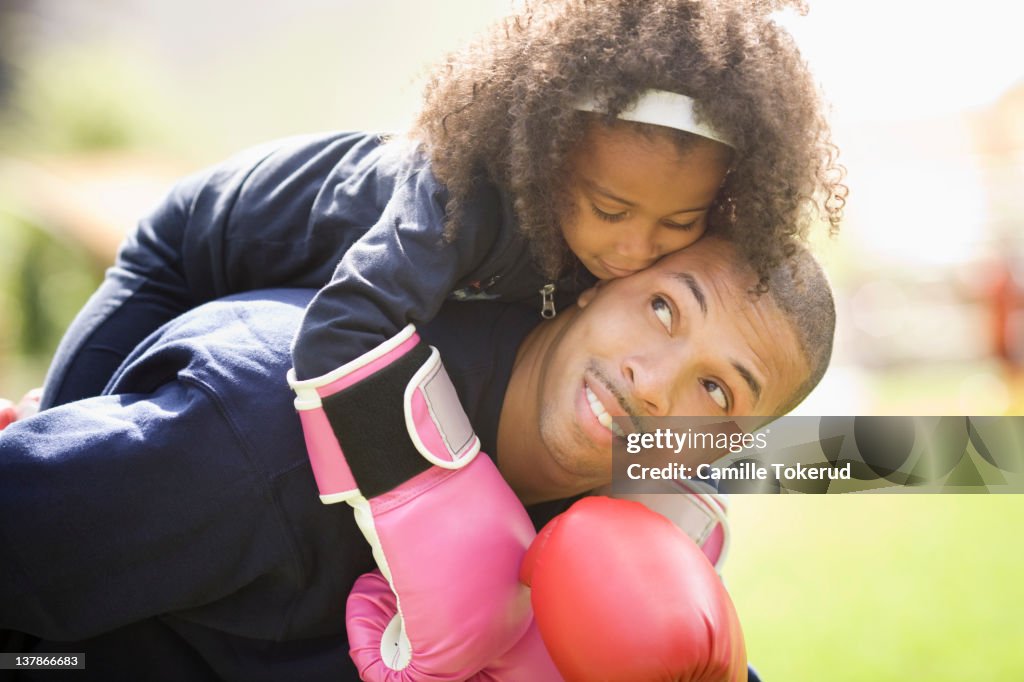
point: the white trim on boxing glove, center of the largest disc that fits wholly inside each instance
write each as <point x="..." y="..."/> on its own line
<point x="395" y="647"/>
<point x="306" y="396"/>
<point x="453" y="430"/>
<point x="703" y="511"/>
<point x="715" y="506"/>
<point x="426" y="405"/>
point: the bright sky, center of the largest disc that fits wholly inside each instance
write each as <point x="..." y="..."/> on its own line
<point x="886" y="64"/>
<point x="884" y="59"/>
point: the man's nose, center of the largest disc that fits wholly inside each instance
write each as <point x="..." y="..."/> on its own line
<point x="649" y="386"/>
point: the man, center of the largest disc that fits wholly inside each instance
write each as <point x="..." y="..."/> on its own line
<point x="680" y="338"/>
<point x="170" y="528"/>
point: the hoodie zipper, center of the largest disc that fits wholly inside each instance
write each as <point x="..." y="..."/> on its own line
<point x="547" y="301"/>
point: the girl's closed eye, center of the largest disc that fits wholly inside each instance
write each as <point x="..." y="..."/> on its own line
<point x="717" y="393"/>
<point x="680" y="226"/>
<point x="607" y="216"/>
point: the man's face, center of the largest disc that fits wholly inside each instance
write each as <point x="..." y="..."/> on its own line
<point x="682" y="338"/>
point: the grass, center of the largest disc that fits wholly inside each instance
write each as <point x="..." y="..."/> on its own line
<point x="880" y="587"/>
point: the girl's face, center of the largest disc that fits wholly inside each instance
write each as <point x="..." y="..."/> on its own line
<point x="635" y="197"/>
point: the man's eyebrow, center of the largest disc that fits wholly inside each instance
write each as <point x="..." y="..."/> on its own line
<point x="698" y="293"/>
<point x="694" y="286"/>
<point x="594" y="187"/>
<point x="748" y="377"/>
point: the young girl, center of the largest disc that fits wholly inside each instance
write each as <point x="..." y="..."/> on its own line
<point x="578" y="140"/>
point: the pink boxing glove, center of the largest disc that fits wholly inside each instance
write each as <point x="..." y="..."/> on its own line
<point x="620" y="593"/>
<point x="387" y="435"/>
<point x="371" y="606"/>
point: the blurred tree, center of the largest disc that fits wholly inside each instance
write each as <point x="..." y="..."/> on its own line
<point x="10" y="13"/>
<point x="44" y="278"/>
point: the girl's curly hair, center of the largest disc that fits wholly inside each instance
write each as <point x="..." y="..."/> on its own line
<point x="503" y="108"/>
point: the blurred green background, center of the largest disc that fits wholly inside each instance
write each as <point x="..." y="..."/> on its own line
<point x="106" y="103"/>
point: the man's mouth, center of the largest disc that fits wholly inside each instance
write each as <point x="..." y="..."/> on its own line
<point x="605" y="419"/>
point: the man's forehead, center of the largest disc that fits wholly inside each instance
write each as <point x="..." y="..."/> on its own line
<point x="711" y="257"/>
<point x="710" y="248"/>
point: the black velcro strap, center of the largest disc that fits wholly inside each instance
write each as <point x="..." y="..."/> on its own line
<point x="368" y="419"/>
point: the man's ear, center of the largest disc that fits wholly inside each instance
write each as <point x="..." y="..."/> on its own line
<point x="587" y="296"/>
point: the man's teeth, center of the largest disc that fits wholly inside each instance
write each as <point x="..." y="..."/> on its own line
<point x="602" y="415"/>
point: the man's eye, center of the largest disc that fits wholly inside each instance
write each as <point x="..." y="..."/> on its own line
<point x="716" y="393"/>
<point x="663" y="311"/>
<point x="605" y="215"/>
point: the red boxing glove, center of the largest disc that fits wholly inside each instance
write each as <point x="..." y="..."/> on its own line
<point x="28" y="406"/>
<point x="696" y="509"/>
<point x="620" y="593"/>
<point x="8" y="415"/>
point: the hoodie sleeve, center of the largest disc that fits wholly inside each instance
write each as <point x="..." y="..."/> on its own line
<point x="399" y="272"/>
<point x="118" y="508"/>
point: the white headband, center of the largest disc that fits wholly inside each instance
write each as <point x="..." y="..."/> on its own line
<point x="661" y="108"/>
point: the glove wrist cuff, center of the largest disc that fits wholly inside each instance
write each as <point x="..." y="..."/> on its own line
<point x="382" y="419"/>
<point x="310" y="392"/>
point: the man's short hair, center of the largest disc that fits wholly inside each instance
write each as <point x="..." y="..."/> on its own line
<point x="801" y="290"/>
